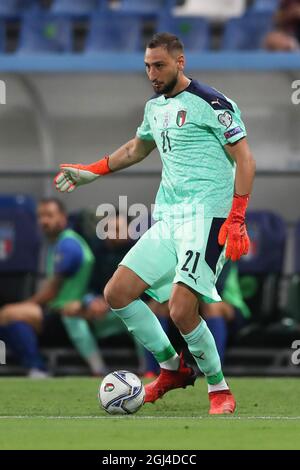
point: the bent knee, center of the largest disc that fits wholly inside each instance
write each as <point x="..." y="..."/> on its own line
<point x="115" y="295"/>
<point x="177" y="313"/>
<point x="109" y="293"/>
<point x="27" y="312"/>
<point x="185" y="316"/>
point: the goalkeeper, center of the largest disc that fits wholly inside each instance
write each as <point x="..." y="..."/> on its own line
<point x="207" y="177"/>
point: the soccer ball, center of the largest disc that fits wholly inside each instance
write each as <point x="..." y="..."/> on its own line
<point x="121" y="393"/>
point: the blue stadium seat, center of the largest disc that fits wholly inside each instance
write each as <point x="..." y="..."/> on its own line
<point x="193" y="31"/>
<point x="45" y="33"/>
<point x="74" y="7"/>
<point x="19" y="239"/>
<point x="14" y="7"/>
<point x="296" y="248"/>
<point x="265" y="5"/>
<point x="114" y="32"/>
<point x="2" y="37"/>
<point x="247" y="32"/>
<point x="146" y="7"/>
<point x="19" y="247"/>
<point x="267" y="233"/>
<point x="261" y="269"/>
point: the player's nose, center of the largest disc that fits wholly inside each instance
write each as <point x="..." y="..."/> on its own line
<point x="152" y="75"/>
<point x="152" y="78"/>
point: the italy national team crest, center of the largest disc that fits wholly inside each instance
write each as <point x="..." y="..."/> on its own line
<point x="181" y="118"/>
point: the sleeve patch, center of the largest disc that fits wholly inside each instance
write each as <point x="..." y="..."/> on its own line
<point x="233" y="132"/>
<point x="225" y="119"/>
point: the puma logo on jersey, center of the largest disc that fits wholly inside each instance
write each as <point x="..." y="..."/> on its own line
<point x="194" y="278"/>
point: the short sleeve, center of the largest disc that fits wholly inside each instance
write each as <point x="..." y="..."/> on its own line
<point x="226" y="124"/>
<point x="144" y="131"/>
<point x="68" y="257"/>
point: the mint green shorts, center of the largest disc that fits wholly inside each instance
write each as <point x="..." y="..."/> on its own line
<point x="171" y="252"/>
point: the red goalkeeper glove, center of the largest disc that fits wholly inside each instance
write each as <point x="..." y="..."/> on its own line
<point x="72" y="176"/>
<point x="234" y="229"/>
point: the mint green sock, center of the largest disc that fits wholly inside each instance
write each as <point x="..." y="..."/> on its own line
<point x="203" y="348"/>
<point x="143" y="324"/>
<point x="81" y="336"/>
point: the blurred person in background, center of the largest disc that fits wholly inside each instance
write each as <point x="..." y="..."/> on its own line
<point x="286" y="36"/>
<point x="21" y="339"/>
<point x="103" y="321"/>
<point x="68" y="269"/>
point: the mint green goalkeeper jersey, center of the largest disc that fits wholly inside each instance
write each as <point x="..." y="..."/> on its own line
<point x="190" y="130"/>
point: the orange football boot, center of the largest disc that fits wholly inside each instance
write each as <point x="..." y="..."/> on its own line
<point x="221" y="402"/>
<point x="169" y="380"/>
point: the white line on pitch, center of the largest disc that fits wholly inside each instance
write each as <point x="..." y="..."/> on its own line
<point x="235" y="418"/>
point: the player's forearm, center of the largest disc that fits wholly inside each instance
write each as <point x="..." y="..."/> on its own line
<point x="244" y="176"/>
<point x="124" y="157"/>
<point x="47" y="293"/>
<point x="245" y="166"/>
<point x="43" y="297"/>
<point x="73" y="175"/>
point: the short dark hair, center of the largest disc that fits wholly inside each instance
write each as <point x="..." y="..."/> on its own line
<point x="168" y="41"/>
<point x="53" y="200"/>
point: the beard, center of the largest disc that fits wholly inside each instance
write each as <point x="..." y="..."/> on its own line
<point x="169" y="87"/>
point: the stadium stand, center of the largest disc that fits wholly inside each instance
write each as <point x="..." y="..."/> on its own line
<point x="147" y="8"/>
<point x="194" y="31"/>
<point x="265" y="5"/>
<point x="248" y="32"/>
<point x="244" y="28"/>
<point x="114" y="32"/>
<point x="48" y="33"/>
<point x="13" y="8"/>
<point x="75" y="7"/>
<point x="218" y="9"/>
<point x="2" y="36"/>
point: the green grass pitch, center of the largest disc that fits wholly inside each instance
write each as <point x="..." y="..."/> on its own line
<point x="64" y="414"/>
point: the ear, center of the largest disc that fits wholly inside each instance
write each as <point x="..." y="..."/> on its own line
<point x="181" y="62"/>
